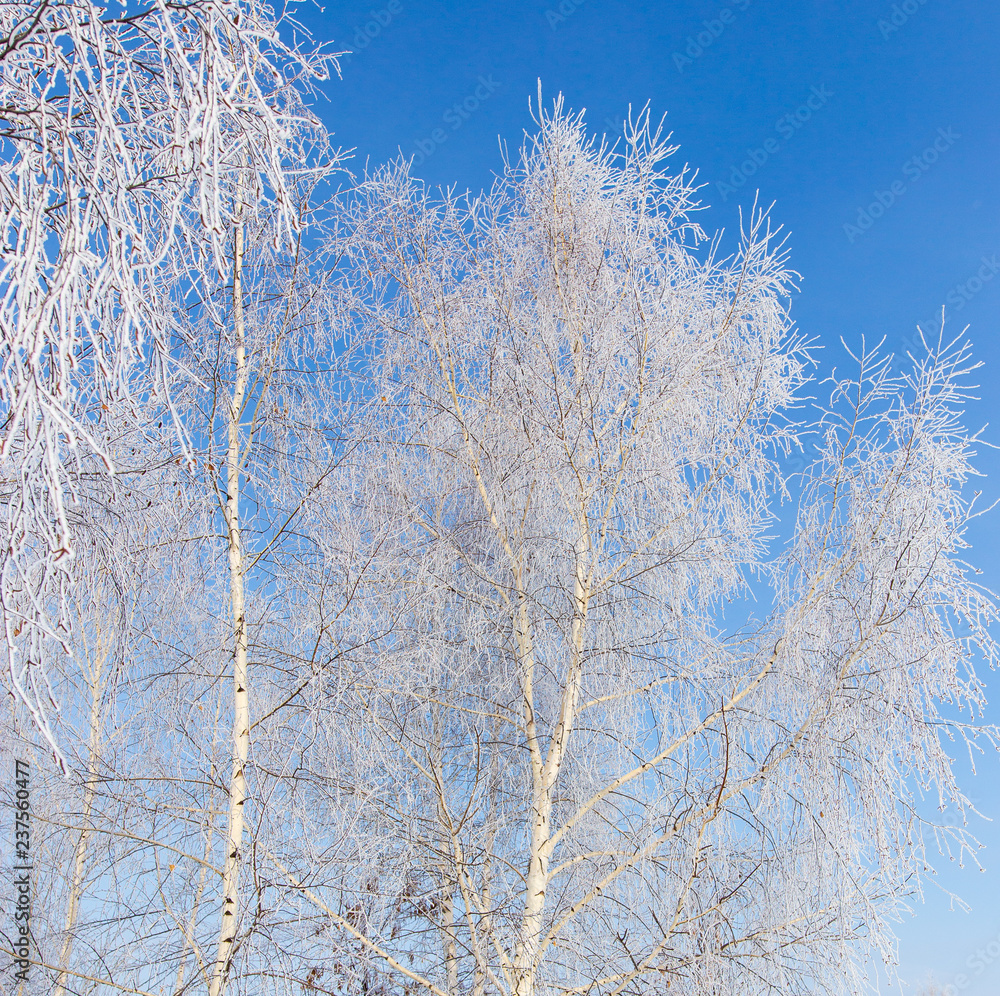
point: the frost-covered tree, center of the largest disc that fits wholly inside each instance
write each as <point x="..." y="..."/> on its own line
<point x="262" y="345"/>
<point x="216" y="329"/>
<point x="154" y="872"/>
<point x="109" y="829"/>
<point x="562" y="767"/>
<point x="122" y="129"/>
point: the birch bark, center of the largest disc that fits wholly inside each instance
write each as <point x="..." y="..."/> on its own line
<point x="230" y="910"/>
<point x="96" y="678"/>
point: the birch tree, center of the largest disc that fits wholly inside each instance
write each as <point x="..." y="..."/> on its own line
<point x="116" y="125"/>
<point x="263" y="343"/>
<point x="154" y="876"/>
<point x="162" y="137"/>
<point x="256" y="366"/>
<point x="566" y="769"/>
<point x="254" y="347"/>
<point x="104" y="831"/>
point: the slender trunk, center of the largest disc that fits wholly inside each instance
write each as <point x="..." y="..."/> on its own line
<point x="450" y="937"/>
<point x="544" y="780"/>
<point x="96" y="681"/>
<point x="450" y="868"/>
<point x="241" y="707"/>
<point x="193" y="921"/>
<point x="485" y="926"/>
<point x="202" y="877"/>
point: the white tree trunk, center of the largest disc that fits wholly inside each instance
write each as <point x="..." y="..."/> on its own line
<point x="241" y="707"/>
<point x="545" y="776"/>
<point x="96" y="681"/>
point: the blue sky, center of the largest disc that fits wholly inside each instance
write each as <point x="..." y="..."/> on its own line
<point x="872" y="126"/>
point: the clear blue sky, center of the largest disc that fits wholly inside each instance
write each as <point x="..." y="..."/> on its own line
<point x="853" y="103"/>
